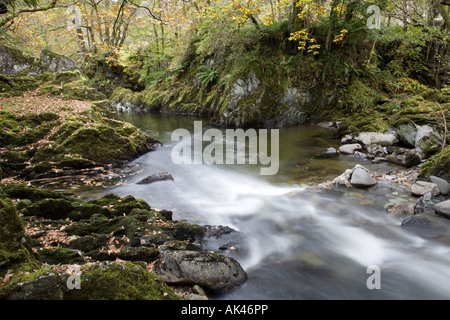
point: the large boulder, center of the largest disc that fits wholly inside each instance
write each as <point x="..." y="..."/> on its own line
<point x="361" y="178"/>
<point x="209" y="270"/>
<point x="383" y="139"/>
<point x="13" y="61"/>
<point x="428" y="140"/>
<point x="443" y="209"/>
<point x="406" y="133"/>
<point x="53" y="62"/>
<point x="442" y="184"/>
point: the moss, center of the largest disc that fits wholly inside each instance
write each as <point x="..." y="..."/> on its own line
<point x="437" y="165"/>
<point x="24" y="191"/>
<point x="120" y="206"/>
<point x="60" y="256"/>
<point x="120" y="282"/>
<point x="50" y="209"/>
<point x="183" y="230"/>
<point x="22" y="130"/>
<point x="87" y="210"/>
<point x="103" y="144"/>
<point x="15" y="248"/>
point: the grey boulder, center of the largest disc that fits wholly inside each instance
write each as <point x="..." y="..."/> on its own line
<point x="361" y="178"/>
<point x="443" y="209"/>
<point x="442" y="184"/>
<point x="209" y="270"/>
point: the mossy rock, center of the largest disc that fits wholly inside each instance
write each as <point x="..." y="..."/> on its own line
<point x="50" y="209"/>
<point x="115" y="281"/>
<point x="40" y="284"/>
<point x="101" y="143"/>
<point x="437" y="165"/>
<point x="120" y="206"/>
<point x="15" y="245"/>
<point x="60" y="256"/>
<point x="87" y="210"/>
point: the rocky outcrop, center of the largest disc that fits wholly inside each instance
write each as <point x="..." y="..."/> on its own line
<point x="14" y="61"/>
<point x="69" y="231"/>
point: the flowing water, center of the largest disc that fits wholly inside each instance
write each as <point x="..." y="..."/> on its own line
<point x="295" y="242"/>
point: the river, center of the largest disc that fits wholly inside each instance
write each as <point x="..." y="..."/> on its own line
<point x="295" y="242"/>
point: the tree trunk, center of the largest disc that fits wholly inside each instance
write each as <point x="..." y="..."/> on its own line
<point x="295" y="23"/>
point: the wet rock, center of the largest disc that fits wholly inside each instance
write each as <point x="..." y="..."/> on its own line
<point x="361" y="178"/>
<point x="409" y="159"/>
<point x="375" y="150"/>
<point x="443" y="209"/>
<point x="209" y="270"/>
<point x="423" y="205"/>
<point x="161" y="176"/>
<point x="343" y="179"/>
<point x="442" y="184"/>
<point x="416" y="221"/>
<point x="360" y="155"/>
<point x="406" y="133"/>
<point x="420" y="188"/>
<point x="350" y="148"/>
<point x="400" y="209"/>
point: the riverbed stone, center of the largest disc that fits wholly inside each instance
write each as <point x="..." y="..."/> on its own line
<point x="383" y="139"/>
<point x="361" y="178"/>
<point x="442" y="184"/>
<point x="417" y="221"/>
<point x="420" y="188"/>
<point x="209" y="270"/>
<point x="443" y="209"/>
<point x="400" y="209"/>
<point x="350" y="148"/>
<point x="160" y="176"/>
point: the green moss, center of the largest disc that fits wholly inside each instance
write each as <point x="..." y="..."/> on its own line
<point x="50" y="209"/>
<point x="437" y="165"/>
<point x="24" y="191"/>
<point x="120" y="282"/>
<point x="60" y="256"/>
<point x="103" y="144"/>
<point x="15" y="249"/>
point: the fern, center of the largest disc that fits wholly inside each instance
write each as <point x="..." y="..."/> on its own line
<point x="206" y="75"/>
